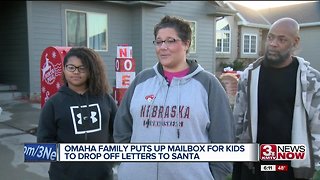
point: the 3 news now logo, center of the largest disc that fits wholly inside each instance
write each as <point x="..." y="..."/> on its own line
<point x="272" y="152"/>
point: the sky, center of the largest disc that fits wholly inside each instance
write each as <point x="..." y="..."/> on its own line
<point x="267" y="4"/>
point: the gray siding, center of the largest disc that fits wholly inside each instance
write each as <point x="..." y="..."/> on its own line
<point x="44" y="28"/>
<point x="309" y="45"/>
<point x="190" y="10"/>
<point x="14" y="45"/>
<point x="127" y="24"/>
<point x="47" y="28"/>
<point x="137" y="36"/>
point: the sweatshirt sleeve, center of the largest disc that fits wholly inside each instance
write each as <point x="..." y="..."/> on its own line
<point x="123" y="121"/>
<point x="122" y="128"/>
<point x="313" y="102"/>
<point x="47" y="129"/>
<point x="240" y="107"/>
<point x="221" y="128"/>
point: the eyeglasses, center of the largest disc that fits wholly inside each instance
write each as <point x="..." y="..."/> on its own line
<point x="167" y="42"/>
<point x="72" y="68"/>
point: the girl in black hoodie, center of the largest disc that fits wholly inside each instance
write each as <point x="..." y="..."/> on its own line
<point x="82" y="111"/>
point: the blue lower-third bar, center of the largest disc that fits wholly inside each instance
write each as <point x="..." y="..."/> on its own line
<point x="40" y="152"/>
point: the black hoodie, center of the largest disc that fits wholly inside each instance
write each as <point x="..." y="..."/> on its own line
<point x="69" y="117"/>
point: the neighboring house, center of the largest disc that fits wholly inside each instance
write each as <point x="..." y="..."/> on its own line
<point x="29" y="27"/>
<point x="308" y="16"/>
<point x="242" y="37"/>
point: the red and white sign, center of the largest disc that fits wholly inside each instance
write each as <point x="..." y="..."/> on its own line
<point x="124" y="51"/>
<point x="51" y="68"/>
<point x="124" y="79"/>
<point x="125" y="67"/>
<point x="274" y="152"/>
<point x="118" y="94"/>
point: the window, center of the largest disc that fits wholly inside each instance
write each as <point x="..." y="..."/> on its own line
<point x="223" y="37"/>
<point x="87" y="29"/>
<point x="249" y="44"/>
<point x="193" y="37"/>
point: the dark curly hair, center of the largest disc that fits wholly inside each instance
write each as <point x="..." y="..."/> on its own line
<point x="97" y="82"/>
<point x="181" y="26"/>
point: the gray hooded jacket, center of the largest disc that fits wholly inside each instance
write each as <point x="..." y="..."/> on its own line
<point x="193" y="109"/>
<point x="306" y="117"/>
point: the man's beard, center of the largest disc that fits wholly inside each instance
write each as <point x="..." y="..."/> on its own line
<point x="277" y="59"/>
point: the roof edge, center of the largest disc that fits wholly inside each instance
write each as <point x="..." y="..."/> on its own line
<point x="265" y="26"/>
<point x="151" y="3"/>
<point x="215" y="10"/>
<point x="310" y="24"/>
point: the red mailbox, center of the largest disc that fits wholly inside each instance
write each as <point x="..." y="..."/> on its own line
<point x="51" y="67"/>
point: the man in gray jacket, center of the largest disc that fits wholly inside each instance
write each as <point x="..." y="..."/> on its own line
<point x="278" y="103"/>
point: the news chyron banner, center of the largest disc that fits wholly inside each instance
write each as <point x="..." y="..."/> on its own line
<point x="126" y="152"/>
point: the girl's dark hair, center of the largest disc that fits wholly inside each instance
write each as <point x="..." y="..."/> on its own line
<point x="97" y="79"/>
<point x="181" y="26"/>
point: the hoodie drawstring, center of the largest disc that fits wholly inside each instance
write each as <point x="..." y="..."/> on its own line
<point x="179" y="119"/>
<point x="82" y="116"/>
<point x="152" y="103"/>
<point x="87" y="103"/>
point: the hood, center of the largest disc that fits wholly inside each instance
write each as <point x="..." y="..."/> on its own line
<point x="67" y="91"/>
<point x="194" y="67"/>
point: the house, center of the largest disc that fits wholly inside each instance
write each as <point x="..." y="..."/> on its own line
<point x="29" y="27"/>
<point x="242" y="37"/>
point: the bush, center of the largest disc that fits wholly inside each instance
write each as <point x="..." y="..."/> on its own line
<point x="236" y="65"/>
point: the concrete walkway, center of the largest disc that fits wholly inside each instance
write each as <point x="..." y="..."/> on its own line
<point x="18" y="121"/>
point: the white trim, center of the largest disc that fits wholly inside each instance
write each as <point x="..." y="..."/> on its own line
<point x="195" y="37"/>
<point x="265" y="26"/>
<point x="87" y="35"/>
<point x="222" y="32"/>
<point x="250" y="45"/>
